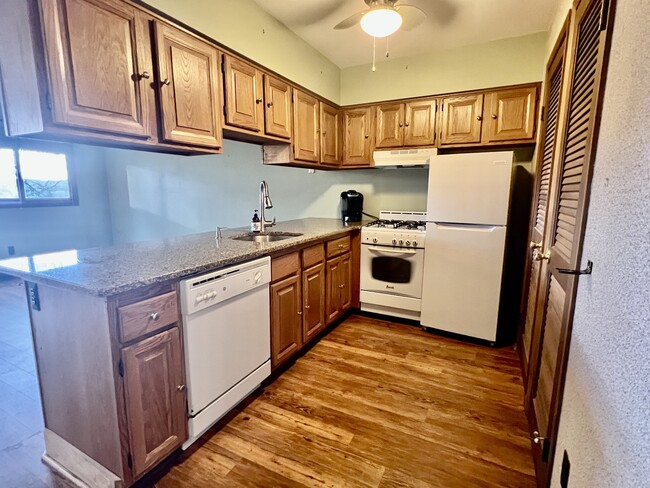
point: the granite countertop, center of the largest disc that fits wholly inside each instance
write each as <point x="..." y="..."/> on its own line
<point x="111" y="270"/>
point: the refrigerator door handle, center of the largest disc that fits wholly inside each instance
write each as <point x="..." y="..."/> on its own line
<point x="474" y="227"/>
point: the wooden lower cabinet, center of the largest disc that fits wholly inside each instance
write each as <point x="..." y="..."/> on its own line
<point x="154" y="392"/>
<point x="286" y="320"/>
<point x="313" y="299"/>
<point x="339" y="286"/>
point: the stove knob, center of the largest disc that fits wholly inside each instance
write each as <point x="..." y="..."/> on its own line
<point x="408" y="243"/>
<point x="394" y="242"/>
<point x="374" y="240"/>
<point x="401" y="242"/>
<point x="415" y="244"/>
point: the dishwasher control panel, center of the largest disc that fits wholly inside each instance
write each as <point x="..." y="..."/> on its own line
<point x="209" y="289"/>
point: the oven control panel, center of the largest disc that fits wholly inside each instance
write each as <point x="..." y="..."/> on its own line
<point x="401" y="239"/>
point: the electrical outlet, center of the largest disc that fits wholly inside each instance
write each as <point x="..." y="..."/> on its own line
<point x="566" y="467"/>
<point x="34" y="299"/>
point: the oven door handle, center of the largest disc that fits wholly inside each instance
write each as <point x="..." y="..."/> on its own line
<point x="390" y="251"/>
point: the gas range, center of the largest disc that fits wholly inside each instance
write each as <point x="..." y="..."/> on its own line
<point x="396" y="229"/>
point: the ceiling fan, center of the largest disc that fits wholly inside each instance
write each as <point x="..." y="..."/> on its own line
<point x="384" y="17"/>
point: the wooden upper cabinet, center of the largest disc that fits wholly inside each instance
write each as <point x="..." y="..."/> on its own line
<point x="286" y="323"/>
<point x="243" y="87"/>
<point x="461" y="119"/>
<point x="306" y="136"/>
<point x="420" y="123"/>
<point x="330" y="135"/>
<point x="357" y="137"/>
<point x="94" y="50"/>
<point x="189" y="71"/>
<point x="390" y="125"/>
<point x="277" y="98"/>
<point x="155" y="398"/>
<point x="510" y="114"/>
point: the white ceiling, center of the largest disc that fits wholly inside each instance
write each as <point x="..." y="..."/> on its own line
<point x="449" y="24"/>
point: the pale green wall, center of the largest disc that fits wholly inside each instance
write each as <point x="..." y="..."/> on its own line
<point x="154" y="196"/>
<point x="246" y="28"/>
<point x="46" y="229"/>
<point x="497" y="63"/>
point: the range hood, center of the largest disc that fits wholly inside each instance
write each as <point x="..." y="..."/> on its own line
<point x="402" y="158"/>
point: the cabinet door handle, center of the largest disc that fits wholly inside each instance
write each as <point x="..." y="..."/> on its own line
<point x="299" y="312"/>
<point x="154" y="316"/>
<point x="366" y="136"/>
<point x="494" y="116"/>
<point x="479" y="118"/>
<point x="307" y="307"/>
<point x="258" y="100"/>
<point x="166" y="82"/>
<point x="269" y="104"/>
<point x="144" y="75"/>
<point x="407" y="124"/>
<point x="341" y="286"/>
<point x="180" y="387"/>
<point x="401" y="125"/>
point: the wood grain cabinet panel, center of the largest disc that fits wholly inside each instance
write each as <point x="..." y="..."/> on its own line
<point x="286" y="319"/>
<point x="461" y="119"/>
<point x="420" y="123"/>
<point x="511" y="114"/>
<point x="345" y="282"/>
<point x="277" y="96"/>
<point x="95" y="73"/>
<point x="390" y="125"/>
<point x="155" y="398"/>
<point x="332" y="289"/>
<point x="330" y="135"/>
<point x="243" y="87"/>
<point x="357" y="137"/>
<point x="313" y="291"/>
<point x="306" y="120"/>
<point x="189" y="71"/>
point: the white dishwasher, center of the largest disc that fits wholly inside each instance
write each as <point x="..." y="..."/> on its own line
<point x="227" y="339"/>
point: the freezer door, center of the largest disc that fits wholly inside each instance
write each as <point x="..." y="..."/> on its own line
<point x="470" y="188"/>
<point x="463" y="265"/>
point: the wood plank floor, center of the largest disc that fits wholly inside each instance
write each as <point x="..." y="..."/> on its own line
<point x="375" y="404"/>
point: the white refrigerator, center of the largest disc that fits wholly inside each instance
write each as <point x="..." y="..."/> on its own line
<point x="467" y="214"/>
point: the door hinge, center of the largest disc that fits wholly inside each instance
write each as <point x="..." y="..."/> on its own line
<point x="129" y="460"/>
<point x="604" y="13"/>
<point x="120" y="368"/>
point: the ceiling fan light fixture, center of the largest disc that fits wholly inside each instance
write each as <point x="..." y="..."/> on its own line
<point x="381" y="21"/>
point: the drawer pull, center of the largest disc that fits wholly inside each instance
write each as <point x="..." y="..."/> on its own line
<point x="307" y="307"/>
<point x="154" y="316"/>
<point x="299" y="313"/>
<point x="340" y="246"/>
<point x="180" y="387"/>
<point x="341" y="286"/>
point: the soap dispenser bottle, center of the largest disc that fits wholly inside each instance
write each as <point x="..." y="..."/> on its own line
<point x="256" y="225"/>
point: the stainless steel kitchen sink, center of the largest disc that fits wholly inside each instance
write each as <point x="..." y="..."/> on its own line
<point x="267" y="237"/>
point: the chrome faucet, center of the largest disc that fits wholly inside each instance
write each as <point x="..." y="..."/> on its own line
<point x="265" y="202"/>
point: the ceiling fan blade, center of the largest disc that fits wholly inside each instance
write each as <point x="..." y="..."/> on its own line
<point x="412" y="16"/>
<point x="314" y="12"/>
<point x="350" y="21"/>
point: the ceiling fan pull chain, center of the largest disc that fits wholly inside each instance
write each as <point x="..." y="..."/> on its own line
<point x="387" y="53"/>
<point x="374" y="54"/>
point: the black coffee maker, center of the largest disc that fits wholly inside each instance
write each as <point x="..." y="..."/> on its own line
<point x="351" y="206"/>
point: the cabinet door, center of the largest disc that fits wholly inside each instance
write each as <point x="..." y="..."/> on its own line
<point x="189" y="73"/>
<point x="419" y="123"/>
<point x="390" y="125"/>
<point x="333" y="290"/>
<point x="277" y="96"/>
<point x="313" y="298"/>
<point x="345" y="282"/>
<point x="512" y="114"/>
<point x="286" y="319"/>
<point x="243" y="92"/>
<point x="94" y="66"/>
<point x="461" y="119"/>
<point x="306" y="137"/>
<point x="155" y="398"/>
<point x="330" y="138"/>
<point x="357" y="140"/>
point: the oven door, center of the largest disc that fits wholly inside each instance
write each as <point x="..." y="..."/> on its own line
<point x="392" y="270"/>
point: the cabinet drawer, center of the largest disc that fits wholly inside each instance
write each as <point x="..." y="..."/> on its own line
<point x="313" y="255"/>
<point x="284" y="266"/>
<point x="338" y="246"/>
<point x="141" y="318"/>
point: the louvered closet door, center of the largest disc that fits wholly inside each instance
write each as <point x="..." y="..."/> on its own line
<point x="547" y="161"/>
<point x="567" y="215"/>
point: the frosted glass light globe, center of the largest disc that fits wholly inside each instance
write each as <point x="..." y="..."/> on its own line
<point x="381" y="21"/>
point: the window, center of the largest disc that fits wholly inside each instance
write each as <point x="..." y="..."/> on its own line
<point x="34" y="174"/>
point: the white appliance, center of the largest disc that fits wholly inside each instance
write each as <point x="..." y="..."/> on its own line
<point x="467" y="213"/>
<point x="392" y="263"/>
<point x="227" y="340"/>
<point x="399" y="158"/>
